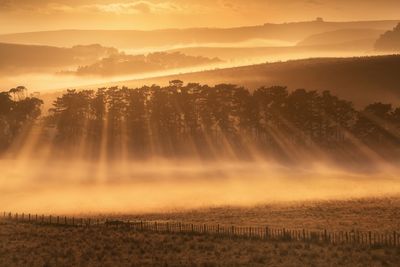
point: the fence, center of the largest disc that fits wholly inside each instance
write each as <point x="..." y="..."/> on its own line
<point x="258" y="233"/>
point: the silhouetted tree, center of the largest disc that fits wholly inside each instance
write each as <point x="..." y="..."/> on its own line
<point x="375" y="124"/>
<point x="17" y="113"/>
<point x="19" y="93"/>
<point x="70" y="115"/>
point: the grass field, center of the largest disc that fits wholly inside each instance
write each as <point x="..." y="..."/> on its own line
<point x="38" y="245"/>
<point x="23" y="244"/>
<point x="369" y="214"/>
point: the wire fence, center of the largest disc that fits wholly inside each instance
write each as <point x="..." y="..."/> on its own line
<point x="365" y="238"/>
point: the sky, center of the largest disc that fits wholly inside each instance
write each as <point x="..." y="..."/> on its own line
<point x="35" y="15"/>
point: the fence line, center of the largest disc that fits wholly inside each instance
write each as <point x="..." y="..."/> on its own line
<point x="366" y="238"/>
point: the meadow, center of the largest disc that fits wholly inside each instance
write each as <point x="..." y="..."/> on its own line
<point x="363" y="214"/>
<point x="37" y="244"/>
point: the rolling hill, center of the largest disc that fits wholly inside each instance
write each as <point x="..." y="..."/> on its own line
<point x="362" y="80"/>
<point x="342" y="36"/>
<point x="293" y="32"/>
<point x="16" y="58"/>
<point x="280" y="53"/>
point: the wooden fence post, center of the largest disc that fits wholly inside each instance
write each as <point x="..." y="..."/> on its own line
<point x="369" y="238"/>
<point x="266" y="233"/>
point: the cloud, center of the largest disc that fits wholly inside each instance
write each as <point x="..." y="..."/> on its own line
<point x="32" y="5"/>
<point x="10" y="5"/>
<point x="314" y="2"/>
<point x="228" y="5"/>
<point x="134" y="7"/>
<point x="5" y="4"/>
<point x="101" y="6"/>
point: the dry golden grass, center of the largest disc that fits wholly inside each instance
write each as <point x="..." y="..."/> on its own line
<point x="373" y="214"/>
<point x="39" y="245"/>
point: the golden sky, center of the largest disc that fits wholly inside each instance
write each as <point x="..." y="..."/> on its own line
<point x="33" y="15"/>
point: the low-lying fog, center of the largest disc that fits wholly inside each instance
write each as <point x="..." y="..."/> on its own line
<point x="51" y="82"/>
<point x="243" y="44"/>
<point x="72" y="186"/>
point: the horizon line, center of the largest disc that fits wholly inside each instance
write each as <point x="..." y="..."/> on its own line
<point x="203" y="27"/>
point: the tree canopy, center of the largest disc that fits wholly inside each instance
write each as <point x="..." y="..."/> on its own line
<point x="194" y="120"/>
<point x="222" y="120"/>
<point x="17" y="111"/>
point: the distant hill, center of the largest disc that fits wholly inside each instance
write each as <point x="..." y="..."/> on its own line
<point x="279" y="53"/>
<point x="389" y="41"/>
<point x="363" y="80"/>
<point x="292" y="32"/>
<point x="342" y="36"/>
<point x="16" y="58"/>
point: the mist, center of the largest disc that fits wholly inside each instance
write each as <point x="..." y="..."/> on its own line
<point x="52" y="169"/>
<point x="71" y="186"/>
<point x="38" y="176"/>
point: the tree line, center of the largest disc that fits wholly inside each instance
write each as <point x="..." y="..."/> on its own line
<point x="120" y="63"/>
<point x="211" y="121"/>
<point x="219" y="120"/>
